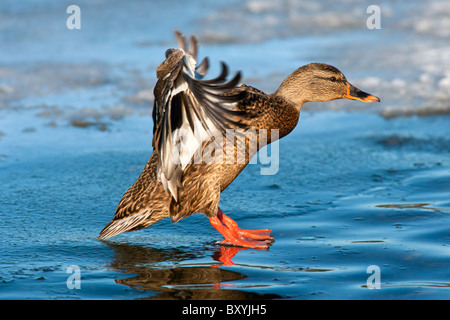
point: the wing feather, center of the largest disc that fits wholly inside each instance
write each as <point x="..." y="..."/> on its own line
<point x="188" y="110"/>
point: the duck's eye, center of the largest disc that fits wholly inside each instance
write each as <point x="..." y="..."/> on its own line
<point x="333" y="79"/>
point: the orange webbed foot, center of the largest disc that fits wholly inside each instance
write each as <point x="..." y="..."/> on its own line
<point x="235" y="236"/>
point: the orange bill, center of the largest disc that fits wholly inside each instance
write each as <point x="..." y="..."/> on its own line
<point x="354" y="93"/>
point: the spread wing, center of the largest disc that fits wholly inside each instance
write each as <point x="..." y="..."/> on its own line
<point x="188" y="111"/>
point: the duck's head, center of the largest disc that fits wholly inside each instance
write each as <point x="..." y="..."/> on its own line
<point x="320" y="82"/>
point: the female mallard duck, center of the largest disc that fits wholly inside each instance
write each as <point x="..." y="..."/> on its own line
<point x="191" y="118"/>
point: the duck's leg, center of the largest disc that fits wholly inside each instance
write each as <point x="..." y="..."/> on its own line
<point x="258" y="239"/>
<point x="262" y="234"/>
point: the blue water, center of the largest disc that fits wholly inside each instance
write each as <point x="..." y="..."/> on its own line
<point x="358" y="185"/>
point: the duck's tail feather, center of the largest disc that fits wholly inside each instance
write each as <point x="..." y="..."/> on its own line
<point x="130" y="223"/>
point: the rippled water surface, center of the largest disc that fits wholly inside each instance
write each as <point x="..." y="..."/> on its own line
<point x="358" y="186"/>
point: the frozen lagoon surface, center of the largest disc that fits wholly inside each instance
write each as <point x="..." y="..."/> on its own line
<point x="358" y="185"/>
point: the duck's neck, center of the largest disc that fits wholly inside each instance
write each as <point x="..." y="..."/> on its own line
<point x="283" y="115"/>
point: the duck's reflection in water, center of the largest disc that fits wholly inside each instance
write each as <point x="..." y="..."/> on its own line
<point x="146" y="265"/>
